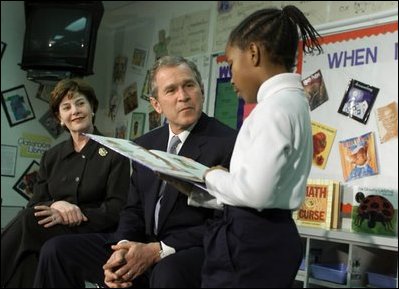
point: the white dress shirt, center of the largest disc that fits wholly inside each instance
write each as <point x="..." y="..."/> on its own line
<point x="272" y="156"/>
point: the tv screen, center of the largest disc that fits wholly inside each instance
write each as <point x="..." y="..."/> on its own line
<point x="61" y="36"/>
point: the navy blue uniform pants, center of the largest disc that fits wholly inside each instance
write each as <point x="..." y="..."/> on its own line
<point x="248" y="249"/>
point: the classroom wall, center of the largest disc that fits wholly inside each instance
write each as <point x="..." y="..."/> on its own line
<point x="136" y="26"/>
<point x="12" y="33"/>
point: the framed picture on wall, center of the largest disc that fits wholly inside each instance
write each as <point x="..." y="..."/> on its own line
<point x="154" y="119"/>
<point x="16" y="105"/>
<point x="51" y="124"/>
<point x="137" y="125"/>
<point x="44" y="92"/>
<point x="3" y="48"/>
<point x="24" y="185"/>
<point x="8" y="160"/>
<point x="139" y="58"/>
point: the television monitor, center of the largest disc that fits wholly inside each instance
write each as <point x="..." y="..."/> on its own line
<point x="60" y="37"/>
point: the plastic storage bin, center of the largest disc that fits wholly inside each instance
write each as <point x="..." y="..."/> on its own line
<point x="382" y="281"/>
<point x="335" y="273"/>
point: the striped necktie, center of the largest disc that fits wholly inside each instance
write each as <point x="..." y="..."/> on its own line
<point x="174" y="142"/>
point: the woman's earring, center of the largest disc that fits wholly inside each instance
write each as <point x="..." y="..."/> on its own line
<point x="92" y="114"/>
<point x="61" y="123"/>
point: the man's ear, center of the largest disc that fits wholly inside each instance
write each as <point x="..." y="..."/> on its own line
<point x="155" y="104"/>
<point x="254" y="51"/>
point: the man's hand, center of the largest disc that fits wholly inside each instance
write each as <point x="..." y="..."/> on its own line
<point x="130" y="260"/>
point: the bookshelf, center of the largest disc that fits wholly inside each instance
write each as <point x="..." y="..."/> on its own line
<point x="372" y="253"/>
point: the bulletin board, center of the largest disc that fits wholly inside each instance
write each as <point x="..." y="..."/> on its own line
<point x="368" y="53"/>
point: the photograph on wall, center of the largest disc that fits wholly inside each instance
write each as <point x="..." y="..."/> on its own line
<point x="119" y="69"/>
<point x="358" y="157"/>
<point x="387" y="121"/>
<point x="8" y="160"/>
<point x="358" y="101"/>
<point x="315" y="89"/>
<point x="3" y="48"/>
<point x="154" y="119"/>
<point x="137" y="125"/>
<point x="130" y="101"/>
<point x="51" y="124"/>
<point x="139" y="58"/>
<point x="44" y="92"/>
<point x="113" y="104"/>
<point x="16" y="105"/>
<point x="24" y="185"/>
<point x="145" y="90"/>
<point x="121" y="130"/>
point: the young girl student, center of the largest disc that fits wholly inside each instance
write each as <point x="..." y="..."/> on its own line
<point x="256" y="242"/>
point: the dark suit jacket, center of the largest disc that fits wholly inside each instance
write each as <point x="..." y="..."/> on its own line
<point x="180" y="226"/>
<point x="97" y="182"/>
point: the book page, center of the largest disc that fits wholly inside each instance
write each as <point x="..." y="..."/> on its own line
<point x="183" y="164"/>
<point x="158" y="161"/>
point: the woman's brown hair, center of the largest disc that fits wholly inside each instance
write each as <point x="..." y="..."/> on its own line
<point x="70" y="87"/>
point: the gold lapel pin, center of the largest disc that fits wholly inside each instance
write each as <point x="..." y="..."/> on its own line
<point x="102" y="152"/>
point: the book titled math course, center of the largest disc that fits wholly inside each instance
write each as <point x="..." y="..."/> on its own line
<point x="159" y="161"/>
<point x="317" y="207"/>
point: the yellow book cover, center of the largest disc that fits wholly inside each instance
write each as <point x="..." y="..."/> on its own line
<point x="323" y="138"/>
<point x="316" y="209"/>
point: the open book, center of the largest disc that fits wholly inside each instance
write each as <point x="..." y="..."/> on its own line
<point x="159" y="161"/>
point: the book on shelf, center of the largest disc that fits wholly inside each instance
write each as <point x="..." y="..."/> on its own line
<point x="346" y="206"/>
<point x="158" y="161"/>
<point x="336" y="206"/>
<point x="317" y="208"/>
<point x="323" y="138"/>
<point x="375" y="210"/>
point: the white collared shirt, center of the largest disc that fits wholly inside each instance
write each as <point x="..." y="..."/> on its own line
<point x="272" y="156"/>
